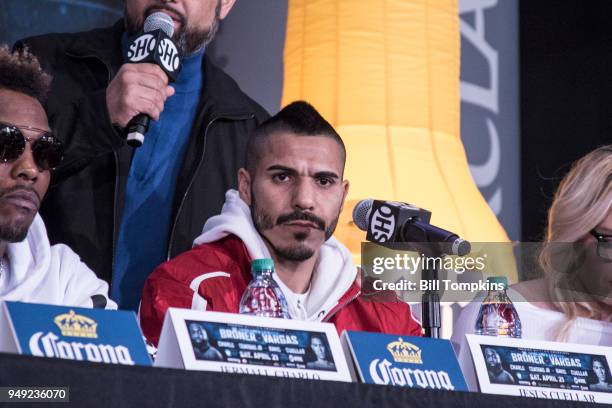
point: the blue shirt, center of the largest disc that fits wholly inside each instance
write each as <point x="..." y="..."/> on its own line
<point x="145" y="226"/>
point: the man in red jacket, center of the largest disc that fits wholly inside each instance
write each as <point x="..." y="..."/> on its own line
<point x="290" y="196"/>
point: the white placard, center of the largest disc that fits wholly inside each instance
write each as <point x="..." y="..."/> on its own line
<point x="542" y="369"/>
<point x="235" y="343"/>
<point x="7" y="332"/>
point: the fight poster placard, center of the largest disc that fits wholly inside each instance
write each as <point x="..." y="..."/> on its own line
<point x="542" y="369"/>
<point x="234" y="343"/>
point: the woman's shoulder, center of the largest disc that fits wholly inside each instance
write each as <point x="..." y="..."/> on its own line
<point x="530" y="288"/>
<point x="533" y="292"/>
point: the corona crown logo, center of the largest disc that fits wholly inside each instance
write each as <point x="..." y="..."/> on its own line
<point x="74" y="325"/>
<point x="404" y="352"/>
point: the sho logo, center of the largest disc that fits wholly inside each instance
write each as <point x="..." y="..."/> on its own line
<point x="141" y="47"/>
<point x="168" y="55"/>
<point x="382" y="224"/>
<point x="48" y="346"/>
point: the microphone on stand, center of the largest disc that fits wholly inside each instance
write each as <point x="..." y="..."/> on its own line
<point x="390" y="221"/>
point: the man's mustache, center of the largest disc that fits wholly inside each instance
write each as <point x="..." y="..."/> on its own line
<point x="301" y="216"/>
<point x="11" y="190"/>
<point x="170" y="10"/>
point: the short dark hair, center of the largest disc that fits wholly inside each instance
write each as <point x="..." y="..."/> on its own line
<point x="21" y="72"/>
<point x="298" y="118"/>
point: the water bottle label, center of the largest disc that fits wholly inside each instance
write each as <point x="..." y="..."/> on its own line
<point x="261" y="301"/>
<point x="498" y="319"/>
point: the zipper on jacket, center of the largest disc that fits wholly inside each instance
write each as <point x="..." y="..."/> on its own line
<point x="116" y="157"/>
<point x="338" y="308"/>
<point x="195" y="173"/>
<point x="116" y="189"/>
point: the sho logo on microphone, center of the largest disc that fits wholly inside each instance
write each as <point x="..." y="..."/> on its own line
<point x="382" y="224"/>
<point x="141" y="48"/>
<point x="168" y="55"/>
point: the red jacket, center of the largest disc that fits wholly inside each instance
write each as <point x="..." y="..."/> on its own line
<point x="213" y="276"/>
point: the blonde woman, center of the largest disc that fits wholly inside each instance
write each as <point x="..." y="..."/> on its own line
<point x="572" y="301"/>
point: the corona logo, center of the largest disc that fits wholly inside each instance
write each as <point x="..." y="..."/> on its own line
<point x="404" y="352"/>
<point x="50" y="345"/>
<point x="384" y="373"/>
<point x="74" y="325"/>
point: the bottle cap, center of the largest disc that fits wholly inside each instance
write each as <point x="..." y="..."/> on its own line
<point x="262" y="264"/>
<point x="498" y="279"/>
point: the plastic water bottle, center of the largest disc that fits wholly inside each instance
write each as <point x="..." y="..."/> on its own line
<point x="497" y="316"/>
<point x="263" y="297"/>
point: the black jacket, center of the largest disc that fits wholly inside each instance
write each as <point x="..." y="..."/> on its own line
<point x="84" y="203"/>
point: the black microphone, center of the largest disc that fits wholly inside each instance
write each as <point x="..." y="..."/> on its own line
<point x="154" y="46"/>
<point x="98" y="301"/>
<point x="390" y="221"/>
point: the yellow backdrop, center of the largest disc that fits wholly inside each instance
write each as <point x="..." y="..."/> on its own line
<point x="385" y="73"/>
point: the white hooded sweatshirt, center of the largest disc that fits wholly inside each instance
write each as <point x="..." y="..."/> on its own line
<point x="334" y="271"/>
<point x="41" y="273"/>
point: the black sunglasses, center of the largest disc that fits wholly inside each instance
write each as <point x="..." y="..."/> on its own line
<point x="47" y="150"/>
<point x="604" y="245"/>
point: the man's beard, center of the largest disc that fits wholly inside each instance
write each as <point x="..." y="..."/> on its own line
<point x="13" y="231"/>
<point x="202" y="346"/>
<point x="296" y="252"/>
<point x="188" y="41"/>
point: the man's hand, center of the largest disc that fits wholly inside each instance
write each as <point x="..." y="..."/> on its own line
<point x="137" y="88"/>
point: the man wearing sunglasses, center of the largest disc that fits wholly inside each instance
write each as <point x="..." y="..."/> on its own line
<point x="30" y="269"/>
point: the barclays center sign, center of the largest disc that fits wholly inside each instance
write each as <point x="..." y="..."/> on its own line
<point x="490" y="103"/>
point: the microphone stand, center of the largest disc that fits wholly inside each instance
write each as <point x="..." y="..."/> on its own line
<point x="430" y="300"/>
<point x="430" y="304"/>
<point x="414" y="230"/>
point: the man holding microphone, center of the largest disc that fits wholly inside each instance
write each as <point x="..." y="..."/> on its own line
<point x="133" y="208"/>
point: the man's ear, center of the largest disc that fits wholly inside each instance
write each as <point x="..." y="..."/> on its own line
<point x="244" y="185"/>
<point x="345" y="186"/>
<point x="225" y="7"/>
